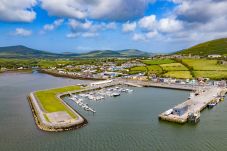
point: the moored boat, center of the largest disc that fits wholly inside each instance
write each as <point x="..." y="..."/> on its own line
<point x="212" y="104"/>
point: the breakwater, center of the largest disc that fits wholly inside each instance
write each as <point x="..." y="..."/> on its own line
<point x="41" y="120"/>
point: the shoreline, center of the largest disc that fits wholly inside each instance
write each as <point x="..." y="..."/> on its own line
<point x="56" y="74"/>
<point x="17" y="71"/>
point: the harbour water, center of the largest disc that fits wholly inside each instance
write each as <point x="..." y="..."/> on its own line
<point x="125" y="123"/>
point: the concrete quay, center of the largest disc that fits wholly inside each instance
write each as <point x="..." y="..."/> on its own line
<point x="193" y="105"/>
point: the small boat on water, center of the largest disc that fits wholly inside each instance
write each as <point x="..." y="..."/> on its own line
<point x="129" y="90"/>
<point x="122" y="90"/>
<point x="115" y="94"/>
<point x="72" y="98"/>
<point x="213" y="103"/>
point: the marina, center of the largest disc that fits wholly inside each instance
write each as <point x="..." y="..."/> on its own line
<point x="97" y="95"/>
<point x="201" y="96"/>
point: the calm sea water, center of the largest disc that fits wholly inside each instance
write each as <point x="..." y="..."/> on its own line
<point x="126" y="123"/>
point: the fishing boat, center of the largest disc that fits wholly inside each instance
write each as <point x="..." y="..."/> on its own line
<point x="212" y="104"/>
<point x="115" y="94"/>
<point x="129" y="90"/>
<point x="123" y="90"/>
<point x="222" y="99"/>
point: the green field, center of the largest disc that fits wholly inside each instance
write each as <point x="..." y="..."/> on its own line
<point x="51" y="103"/>
<point x="174" y="67"/>
<point x="146" y="69"/>
<point x="178" y="74"/>
<point x="204" y="64"/>
<point x="211" y="74"/>
<point x="157" y="61"/>
<point x="154" y="69"/>
<point x="135" y="70"/>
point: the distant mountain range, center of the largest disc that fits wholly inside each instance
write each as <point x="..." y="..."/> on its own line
<point x="217" y="46"/>
<point x="25" y="52"/>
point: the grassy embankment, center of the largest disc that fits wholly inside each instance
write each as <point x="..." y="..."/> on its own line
<point x="50" y="103"/>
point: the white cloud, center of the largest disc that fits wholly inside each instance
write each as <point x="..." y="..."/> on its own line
<point x="197" y="20"/>
<point x="170" y="25"/>
<point x="82" y="34"/>
<point x="111" y="25"/>
<point x="150" y="27"/>
<point x="96" y="9"/>
<point x="17" y="10"/>
<point x="129" y="27"/>
<point x="64" y="8"/>
<point x="139" y="37"/>
<point x="144" y="36"/>
<point x="54" y="25"/>
<point x="22" y="32"/>
<point x="148" y="22"/>
<point x="151" y="34"/>
<point x="80" y="26"/>
<point x="87" y="28"/>
<point x="89" y="34"/>
<point x="73" y="35"/>
<point x="200" y="10"/>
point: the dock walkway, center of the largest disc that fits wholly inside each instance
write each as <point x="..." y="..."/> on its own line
<point x="196" y="104"/>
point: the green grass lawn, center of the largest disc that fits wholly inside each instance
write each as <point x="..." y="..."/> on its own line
<point x="178" y="74"/>
<point x="146" y="69"/>
<point x="174" y="67"/>
<point x="204" y="64"/>
<point x="157" y="61"/>
<point x="51" y="103"/>
<point x="216" y="75"/>
<point x="154" y="69"/>
<point x="135" y="70"/>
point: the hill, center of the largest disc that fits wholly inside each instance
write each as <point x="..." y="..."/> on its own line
<point x="134" y="53"/>
<point x="218" y="46"/>
<point x="25" y="52"/>
<point x="120" y="53"/>
<point x="101" y="53"/>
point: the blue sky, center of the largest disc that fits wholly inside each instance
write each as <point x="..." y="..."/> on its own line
<point x="159" y="26"/>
